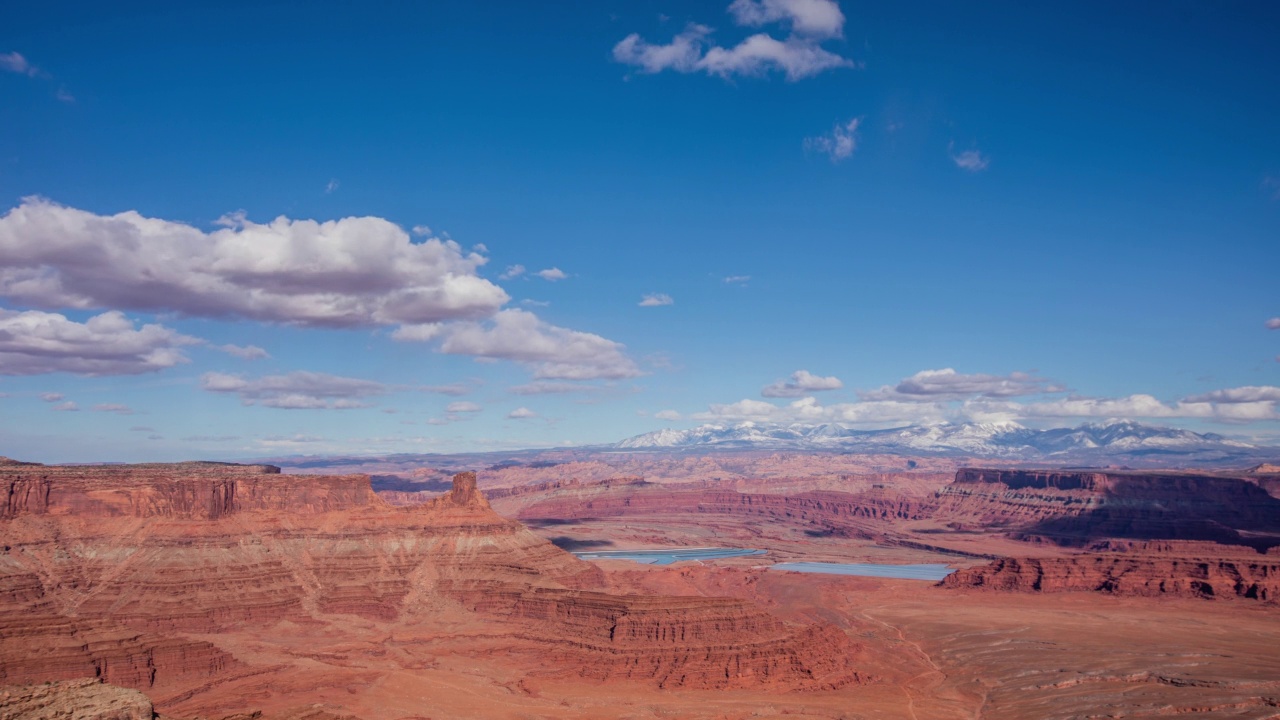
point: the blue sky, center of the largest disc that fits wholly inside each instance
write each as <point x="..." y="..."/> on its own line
<point x="872" y="214"/>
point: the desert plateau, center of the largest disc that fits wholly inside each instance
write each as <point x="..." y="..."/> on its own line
<point x="236" y="591"/>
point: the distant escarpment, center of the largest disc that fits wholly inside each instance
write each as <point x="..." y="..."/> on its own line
<point x="1073" y="508"/>
<point x="1129" y="575"/>
<point x="108" y="571"/>
<point x="823" y="512"/>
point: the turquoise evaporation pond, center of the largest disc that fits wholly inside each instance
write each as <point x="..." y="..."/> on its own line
<point x="900" y="572"/>
<point x="666" y="557"/>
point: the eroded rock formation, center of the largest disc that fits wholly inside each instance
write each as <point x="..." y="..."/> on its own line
<point x="1131" y="575"/>
<point x="1074" y="508"/>
<point x="137" y="559"/>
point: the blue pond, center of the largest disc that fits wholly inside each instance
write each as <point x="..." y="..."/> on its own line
<point x="903" y="572"/>
<point x="666" y="557"/>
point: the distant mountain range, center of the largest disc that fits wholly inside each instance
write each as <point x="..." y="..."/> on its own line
<point x="1005" y="439"/>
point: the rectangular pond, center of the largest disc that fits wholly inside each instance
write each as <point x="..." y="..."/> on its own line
<point x="668" y="556"/>
<point x="932" y="572"/>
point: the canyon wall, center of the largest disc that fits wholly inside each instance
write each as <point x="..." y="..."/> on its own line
<point x="1074" y="508"/>
<point x="1130" y="575"/>
<point x="141" y="558"/>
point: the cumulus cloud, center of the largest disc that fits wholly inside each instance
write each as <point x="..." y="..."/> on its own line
<point x="116" y="408"/>
<point x="353" y="272"/>
<point x="52" y="397"/>
<point x="667" y="415"/>
<point x="798" y="56"/>
<point x="463" y="406"/>
<point x="554" y="353"/>
<point x="838" y="144"/>
<point x="947" y="384"/>
<point x="554" y="274"/>
<point x="512" y="271"/>
<point x="417" y="333"/>
<point x="656" y="300"/>
<point x="421" y="230"/>
<point x="67" y="406"/>
<point x="33" y="342"/>
<point x="809" y="410"/>
<point x="815" y="18"/>
<point x="244" y="352"/>
<point x="801" y="382"/>
<point x="299" y="390"/>
<point x="522" y="413"/>
<point x="1273" y="323"/>
<point x="971" y="160"/>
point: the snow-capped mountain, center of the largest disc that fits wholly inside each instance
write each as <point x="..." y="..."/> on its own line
<point x="1003" y="439"/>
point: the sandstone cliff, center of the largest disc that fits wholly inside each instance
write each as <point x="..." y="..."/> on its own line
<point x="1133" y="575"/>
<point x="1074" y="508"/>
<point x="140" y="558"/>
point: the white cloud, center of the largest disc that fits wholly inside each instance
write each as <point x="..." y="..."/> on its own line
<point x="1273" y="323"/>
<point x="555" y="353"/>
<point x="421" y="230"/>
<point x="1247" y="394"/>
<point x="839" y="144"/>
<point x="417" y="333"/>
<point x="34" y="342"/>
<point x="932" y="385"/>
<point x="801" y="383"/>
<point x="299" y="390"/>
<point x="512" y="271"/>
<point x="796" y="57"/>
<point x="64" y="96"/>
<point x="353" y="272"/>
<point x="113" y="408"/>
<point x="737" y="279"/>
<point x="522" y="413"/>
<point x="463" y="406"/>
<point x="544" y="387"/>
<point x="52" y="397"/>
<point x="808" y="410"/>
<point x="14" y="62"/>
<point x="682" y="54"/>
<point x="656" y="300"/>
<point x="971" y="160"/>
<point x="244" y="352"/>
<point x="758" y="54"/>
<point x="816" y="18"/>
<point x="67" y="406"/>
<point x="667" y="415"/>
<point x="554" y="274"/>
<point x="331" y="186"/>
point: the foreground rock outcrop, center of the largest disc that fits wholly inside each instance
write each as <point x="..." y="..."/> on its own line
<point x="73" y="700"/>
<point x="127" y="573"/>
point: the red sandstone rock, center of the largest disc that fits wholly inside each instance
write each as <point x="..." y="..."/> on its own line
<point x="1073" y="508"/>
<point x="1117" y="574"/>
<point x="144" y="555"/>
<point x="75" y="700"/>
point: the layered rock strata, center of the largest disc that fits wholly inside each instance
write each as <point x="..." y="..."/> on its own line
<point x="144" y="557"/>
<point x="1116" y="574"/>
<point x="1073" y="508"/>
